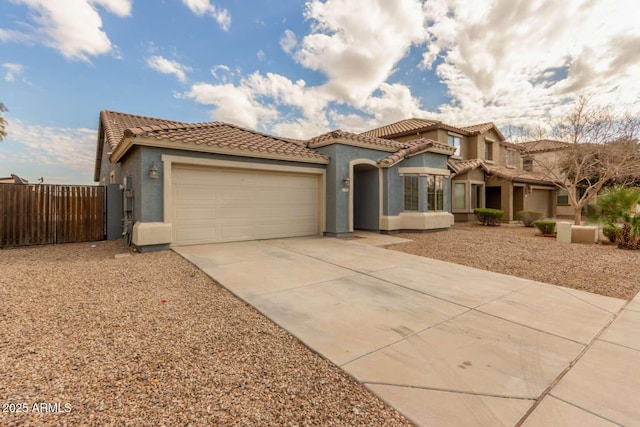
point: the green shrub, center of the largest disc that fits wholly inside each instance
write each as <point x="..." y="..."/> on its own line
<point x="545" y="226"/>
<point x="616" y="208"/>
<point x="610" y="231"/>
<point x="488" y="216"/>
<point x="528" y="217"/>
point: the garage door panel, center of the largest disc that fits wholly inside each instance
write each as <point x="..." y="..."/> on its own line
<point x="223" y="205"/>
<point x="197" y="234"/>
<point x="195" y="214"/>
<point x="273" y="230"/>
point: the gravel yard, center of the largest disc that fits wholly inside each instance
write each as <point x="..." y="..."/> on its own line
<point x="149" y="339"/>
<point x="518" y="251"/>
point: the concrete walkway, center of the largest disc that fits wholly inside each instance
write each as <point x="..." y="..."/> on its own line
<point x="446" y="345"/>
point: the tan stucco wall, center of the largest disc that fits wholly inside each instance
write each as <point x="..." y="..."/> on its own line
<point x="541" y="201"/>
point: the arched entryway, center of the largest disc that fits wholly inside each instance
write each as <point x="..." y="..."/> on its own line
<point x="366" y="197"/>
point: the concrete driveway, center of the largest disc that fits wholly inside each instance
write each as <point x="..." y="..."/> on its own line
<point x="443" y="343"/>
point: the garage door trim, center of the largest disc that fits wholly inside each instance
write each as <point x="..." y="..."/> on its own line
<point x="169" y="161"/>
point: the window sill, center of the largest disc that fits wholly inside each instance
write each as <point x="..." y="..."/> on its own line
<point x="490" y="162"/>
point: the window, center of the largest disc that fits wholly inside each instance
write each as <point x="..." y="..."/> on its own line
<point x="511" y="158"/>
<point x="459" y="199"/>
<point x="476" y="195"/>
<point x="488" y="150"/>
<point x="454" y="141"/>
<point x="562" y="198"/>
<point x="435" y="193"/>
<point x="411" y="192"/>
<point x="527" y="164"/>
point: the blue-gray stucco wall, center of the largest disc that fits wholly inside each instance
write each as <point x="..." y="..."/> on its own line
<point x="337" y="201"/>
<point x="393" y="197"/>
<point x="149" y="193"/>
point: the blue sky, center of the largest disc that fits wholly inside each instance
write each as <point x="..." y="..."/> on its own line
<point x="297" y="68"/>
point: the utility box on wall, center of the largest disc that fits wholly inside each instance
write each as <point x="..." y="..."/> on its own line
<point x="114" y="212"/>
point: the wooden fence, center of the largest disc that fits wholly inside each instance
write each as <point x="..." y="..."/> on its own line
<point x="45" y="214"/>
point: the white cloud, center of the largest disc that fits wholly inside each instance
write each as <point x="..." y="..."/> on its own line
<point x="13" y="71"/>
<point x="260" y="55"/>
<point x="167" y="66"/>
<point x="498" y="60"/>
<point x="233" y="104"/>
<point x="204" y="7"/>
<point x="357" y="45"/>
<point x="69" y="153"/>
<point x="522" y="61"/>
<point x="288" y="41"/>
<point x="73" y="27"/>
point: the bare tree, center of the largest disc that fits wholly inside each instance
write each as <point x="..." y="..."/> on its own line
<point x="3" y="122"/>
<point x="526" y="132"/>
<point x="603" y="149"/>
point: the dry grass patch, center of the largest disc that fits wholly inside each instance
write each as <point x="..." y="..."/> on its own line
<point x="518" y="251"/>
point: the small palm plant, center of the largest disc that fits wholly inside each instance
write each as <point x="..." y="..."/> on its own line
<point x="616" y="208"/>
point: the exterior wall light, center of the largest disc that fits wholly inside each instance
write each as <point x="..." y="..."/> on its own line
<point x="345" y="182"/>
<point x="153" y="171"/>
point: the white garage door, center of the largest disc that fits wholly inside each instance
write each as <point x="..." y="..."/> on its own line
<point x="225" y="205"/>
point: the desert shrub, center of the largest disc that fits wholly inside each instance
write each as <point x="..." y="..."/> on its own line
<point x="616" y="206"/>
<point x="528" y="217"/>
<point x="488" y="216"/>
<point x="626" y="238"/>
<point x="545" y="226"/>
<point x="610" y="231"/>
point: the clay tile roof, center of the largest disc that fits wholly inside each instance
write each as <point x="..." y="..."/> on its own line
<point x="519" y="175"/>
<point x="463" y="166"/>
<point x="413" y="147"/>
<point x="115" y="124"/>
<point x="482" y="128"/>
<point x="401" y="127"/>
<point x="338" y="136"/>
<point x="477" y="129"/>
<point x="542" y="145"/>
<point x="409" y="126"/>
<point x="224" y="135"/>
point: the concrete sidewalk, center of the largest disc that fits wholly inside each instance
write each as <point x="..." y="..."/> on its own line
<point x="444" y="344"/>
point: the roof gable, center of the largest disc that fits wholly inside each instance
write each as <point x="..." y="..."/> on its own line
<point x="114" y="124"/>
<point x="348" y="138"/>
<point x="484" y="128"/>
<point x="120" y="131"/>
<point x="224" y="137"/>
<point x="409" y="126"/>
<point x="542" y="145"/>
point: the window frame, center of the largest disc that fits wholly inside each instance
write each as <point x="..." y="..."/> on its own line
<point x="435" y="193"/>
<point x="564" y="194"/>
<point x="454" y="207"/>
<point x="510" y="158"/>
<point x="455" y="141"/>
<point x="488" y="150"/>
<point x="411" y="193"/>
<point x="476" y="195"/>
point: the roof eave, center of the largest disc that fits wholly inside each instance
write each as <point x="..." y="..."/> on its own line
<point x="352" y="143"/>
<point x="127" y="142"/>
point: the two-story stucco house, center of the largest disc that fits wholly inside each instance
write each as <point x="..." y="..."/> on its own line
<point x="486" y="170"/>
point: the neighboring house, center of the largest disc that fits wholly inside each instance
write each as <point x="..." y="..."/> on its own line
<point x="486" y="170"/>
<point x="13" y="179"/>
<point x="191" y="183"/>
<point x="544" y="152"/>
